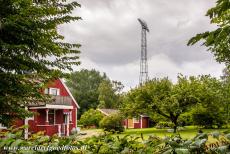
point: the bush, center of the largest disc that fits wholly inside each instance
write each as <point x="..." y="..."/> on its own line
<point x="163" y="124"/>
<point x="111" y="144"/>
<point x="91" y="118"/>
<point x="112" y="123"/>
<point x="185" y="119"/>
<point x="207" y="120"/>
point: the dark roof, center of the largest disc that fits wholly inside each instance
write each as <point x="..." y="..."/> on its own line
<point x="108" y="112"/>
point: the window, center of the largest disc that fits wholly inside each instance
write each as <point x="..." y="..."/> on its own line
<point x="70" y="116"/>
<point x="51" y="117"/>
<point x="52" y="91"/>
<point x="135" y="120"/>
<point x="65" y="118"/>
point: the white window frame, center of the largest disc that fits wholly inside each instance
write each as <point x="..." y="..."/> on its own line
<point x="70" y="116"/>
<point x="57" y="91"/>
<point x="52" y="114"/>
<point x="136" y="120"/>
<point x="65" y="118"/>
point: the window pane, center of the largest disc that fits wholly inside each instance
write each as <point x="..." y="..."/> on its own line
<point x="136" y="120"/>
<point x="51" y="119"/>
<point x="53" y="91"/>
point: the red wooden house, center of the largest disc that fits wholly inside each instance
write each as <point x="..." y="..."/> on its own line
<point x="58" y="117"/>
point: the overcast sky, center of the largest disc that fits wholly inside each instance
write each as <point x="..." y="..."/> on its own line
<point x="110" y="36"/>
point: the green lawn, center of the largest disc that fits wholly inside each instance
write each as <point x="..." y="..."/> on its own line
<point x="186" y="133"/>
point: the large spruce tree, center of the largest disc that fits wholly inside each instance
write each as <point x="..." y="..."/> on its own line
<point x="32" y="51"/>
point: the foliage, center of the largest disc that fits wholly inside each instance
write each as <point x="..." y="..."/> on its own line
<point x="199" y="144"/>
<point x="112" y="123"/>
<point x="218" y="40"/>
<point x="170" y="100"/>
<point x="109" y="96"/>
<point x="32" y="52"/>
<point x="163" y="124"/>
<point x="208" y="118"/>
<point x="185" y="119"/>
<point x="114" y="144"/>
<point x="124" y="145"/>
<point x="163" y="97"/>
<point x="226" y="91"/>
<point x="91" y="118"/>
<point x="84" y="87"/>
<point x="92" y="89"/>
<point x="210" y="111"/>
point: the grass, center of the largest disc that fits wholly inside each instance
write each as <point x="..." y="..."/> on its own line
<point x="187" y="133"/>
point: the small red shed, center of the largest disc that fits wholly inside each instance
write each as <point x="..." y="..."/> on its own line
<point x="58" y="117"/>
<point x="141" y="121"/>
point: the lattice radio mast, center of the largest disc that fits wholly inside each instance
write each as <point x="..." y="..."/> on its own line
<point x="143" y="63"/>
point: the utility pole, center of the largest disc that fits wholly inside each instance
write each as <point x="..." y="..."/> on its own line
<point x="143" y="63"/>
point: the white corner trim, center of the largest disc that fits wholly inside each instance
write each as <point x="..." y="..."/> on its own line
<point x="67" y="89"/>
<point x="141" y="121"/>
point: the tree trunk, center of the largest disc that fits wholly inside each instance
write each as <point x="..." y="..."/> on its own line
<point x="174" y="128"/>
<point x="174" y="120"/>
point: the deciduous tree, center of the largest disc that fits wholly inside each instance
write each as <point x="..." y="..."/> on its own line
<point x="32" y="51"/>
<point x="163" y="97"/>
<point x="84" y="85"/>
<point x="218" y="40"/>
<point x="91" y="117"/>
<point x="109" y="94"/>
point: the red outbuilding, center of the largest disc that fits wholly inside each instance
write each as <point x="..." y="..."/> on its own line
<point x="141" y="121"/>
<point x="58" y="117"/>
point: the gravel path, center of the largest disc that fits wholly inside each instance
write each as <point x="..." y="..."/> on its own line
<point x="89" y="133"/>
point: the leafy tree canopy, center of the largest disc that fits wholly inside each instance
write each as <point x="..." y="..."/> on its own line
<point x="84" y="86"/>
<point x="170" y="100"/>
<point x="218" y="40"/>
<point x="226" y="91"/>
<point x="91" y="118"/>
<point x="212" y="104"/>
<point x="93" y="89"/>
<point x="109" y="94"/>
<point x="32" y="51"/>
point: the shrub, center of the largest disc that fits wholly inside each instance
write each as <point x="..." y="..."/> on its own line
<point x="163" y="124"/>
<point x="112" y="123"/>
<point x="208" y="120"/>
<point x="91" y="118"/>
<point x="185" y="119"/>
<point x="111" y="144"/>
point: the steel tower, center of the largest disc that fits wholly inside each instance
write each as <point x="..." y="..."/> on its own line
<point x="143" y="63"/>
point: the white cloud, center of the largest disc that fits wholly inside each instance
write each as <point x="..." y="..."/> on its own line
<point x="110" y="37"/>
